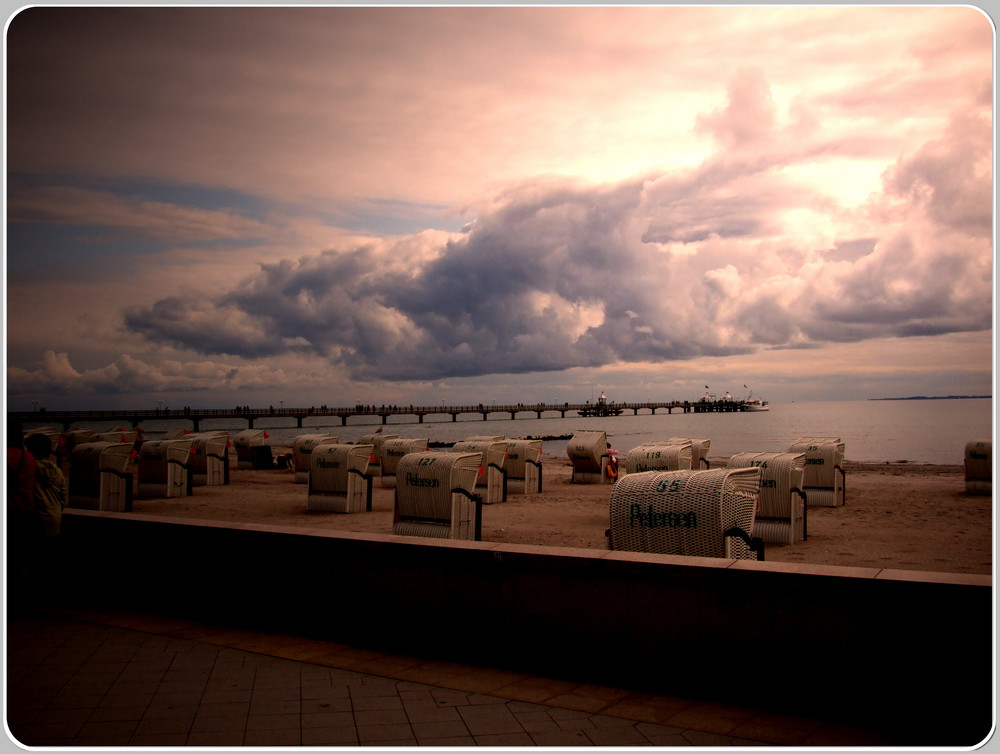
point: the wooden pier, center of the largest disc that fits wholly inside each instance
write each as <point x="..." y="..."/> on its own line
<point x="250" y="415"/>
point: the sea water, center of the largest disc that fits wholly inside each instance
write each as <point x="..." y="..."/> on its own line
<point x="912" y="431"/>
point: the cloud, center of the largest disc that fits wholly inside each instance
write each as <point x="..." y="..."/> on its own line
<point x="55" y="375"/>
<point x="674" y="266"/>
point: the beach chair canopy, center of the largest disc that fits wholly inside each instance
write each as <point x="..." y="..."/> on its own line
<point x="392" y="452"/>
<point x="782" y="509"/>
<point x="824" y="480"/>
<point x="376" y="440"/>
<point x="492" y="471"/>
<point x="302" y="448"/>
<point x="699" y="450"/>
<point x="338" y="478"/>
<point x="524" y="467"/>
<point x="979" y="467"/>
<point x="100" y="476"/>
<point x="209" y="461"/>
<point x="698" y="513"/>
<point x="587" y="450"/>
<point x="249" y="438"/>
<point x="164" y="468"/>
<point x="435" y="495"/>
<point x="659" y="456"/>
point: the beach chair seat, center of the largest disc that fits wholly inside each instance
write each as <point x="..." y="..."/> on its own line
<point x="100" y="476"/>
<point x="392" y="452"/>
<point x="708" y="513"/>
<point x="524" y="467"/>
<point x="824" y="481"/>
<point x="338" y="479"/>
<point x="588" y="453"/>
<point x="209" y="461"/>
<point x="699" y="451"/>
<point x="659" y="456"/>
<point x="164" y="469"/>
<point x="979" y="467"/>
<point x="782" y="508"/>
<point x="251" y="452"/>
<point x="492" y="473"/>
<point x="302" y="448"/>
<point x="375" y="439"/>
<point x="435" y="496"/>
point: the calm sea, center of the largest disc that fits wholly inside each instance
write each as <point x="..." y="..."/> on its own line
<point x="921" y="431"/>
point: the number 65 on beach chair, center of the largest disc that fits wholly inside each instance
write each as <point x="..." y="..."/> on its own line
<point x="696" y="513"/>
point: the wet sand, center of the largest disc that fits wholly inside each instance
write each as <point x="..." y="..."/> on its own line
<point x="913" y="517"/>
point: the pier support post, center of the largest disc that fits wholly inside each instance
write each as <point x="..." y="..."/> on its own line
<point x="454" y="417"/>
<point x="420" y="418"/>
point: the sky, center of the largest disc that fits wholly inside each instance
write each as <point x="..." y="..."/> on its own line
<point x="219" y="206"/>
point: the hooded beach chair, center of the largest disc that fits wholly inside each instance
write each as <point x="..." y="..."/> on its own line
<point x="209" y="462"/>
<point x="588" y="453"/>
<point x="492" y="474"/>
<point x="435" y="496"/>
<point x="375" y="440"/>
<point x="697" y="513"/>
<point x="164" y="468"/>
<point x="100" y="476"/>
<point x="979" y="467"/>
<point x="659" y="456"/>
<point x="824" y="480"/>
<point x="251" y="452"/>
<point x="781" y="513"/>
<point x="393" y="451"/>
<point x="338" y="479"/>
<point x="699" y="451"/>
<point x="523" y="466"/>
<point x="302" y="448"/>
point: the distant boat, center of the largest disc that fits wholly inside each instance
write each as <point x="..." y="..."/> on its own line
<point x="601" y="408"/>
<point x="756" y="404"/>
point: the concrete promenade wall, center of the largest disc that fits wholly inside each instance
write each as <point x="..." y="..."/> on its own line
<point x="873" y="646"/>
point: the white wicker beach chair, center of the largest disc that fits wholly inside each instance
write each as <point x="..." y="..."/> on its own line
<point x="375" y="439"/>
<point x="588" y="453"/>
<point x="393" y="451"/>
<point x="492" y="474"/>
<point x="524" y="467"/>
<point x="302" y="448"/>
<point x="698" y="513"/>
<point x="251" y="452"/>
<point x="100" y="476"/>
<point x="164" y="468"/>
<point x="658" y="456"/>
<point x="209" y="461"/>
<point x="435" y="496"/>
<point x="699" y="451"/>
<point x="824" y="480"/>
<point x="979" y="467"/>
<point x="781" y="514"/>
<point x="338" y="479"/>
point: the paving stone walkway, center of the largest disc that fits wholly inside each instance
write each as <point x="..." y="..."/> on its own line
<point x="74" y="681"/>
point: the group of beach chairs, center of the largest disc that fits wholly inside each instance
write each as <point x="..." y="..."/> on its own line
<point x="108" y="470"/>
<point x="438" y="493"/>
<point x="667" y="498"/>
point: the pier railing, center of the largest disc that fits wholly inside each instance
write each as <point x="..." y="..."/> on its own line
<point x="250" y="414"/>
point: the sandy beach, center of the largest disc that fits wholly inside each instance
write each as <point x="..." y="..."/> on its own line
<point x="908" y="516"/>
